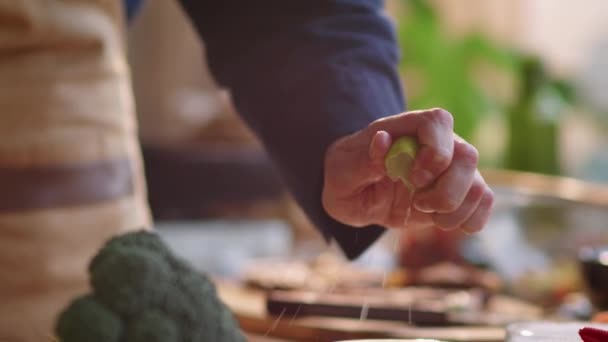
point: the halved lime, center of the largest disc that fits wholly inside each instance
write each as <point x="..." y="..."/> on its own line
<point x="400" y="159"/>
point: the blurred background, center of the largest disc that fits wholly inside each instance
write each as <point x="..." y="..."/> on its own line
<point x="526" y="81"/>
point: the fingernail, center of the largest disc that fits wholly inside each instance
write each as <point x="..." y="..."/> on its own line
<point x="467" y="231"/>
<point x="423" y="206"/>
<point x="421" y="178"/>
<point x="377" y="142"/>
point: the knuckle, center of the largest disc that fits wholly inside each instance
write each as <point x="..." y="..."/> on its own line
<point x="466" y="154"/>
<point x="477" y="191"/>
<point x="441" y="158"/>
<point x="440" y="116"/>
<point x="488" y="198"/>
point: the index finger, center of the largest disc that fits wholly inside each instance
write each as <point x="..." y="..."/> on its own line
<point x="433" y="129"/>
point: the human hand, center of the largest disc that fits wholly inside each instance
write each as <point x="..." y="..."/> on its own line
<point x="450" y="192"/>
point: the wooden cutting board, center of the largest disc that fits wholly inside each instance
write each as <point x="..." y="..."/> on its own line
<point x="417" y="306"/>
<point x="249" y="307"/>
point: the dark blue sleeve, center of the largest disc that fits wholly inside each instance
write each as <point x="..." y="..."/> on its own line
<point x="131" y="8"/>
<point x="302" y="74"/>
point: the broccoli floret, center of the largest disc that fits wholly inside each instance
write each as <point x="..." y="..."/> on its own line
<point x="131" y="281"/>
<point x="135" y="240"/>
<point x="153" y="326"/>
<point x="188" y="299"/>
<point x="194" y="284"/>
<point x="156" y="295"/>
<point x="227" y="328"/>
<point x="141" y="239"/>
<point x="85" y="319"/>
<point x="200" y="313"/>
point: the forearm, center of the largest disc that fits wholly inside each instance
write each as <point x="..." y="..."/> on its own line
<point x="303" y="74"/>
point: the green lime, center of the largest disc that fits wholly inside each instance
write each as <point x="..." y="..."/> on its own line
<point x="400" y="159"/>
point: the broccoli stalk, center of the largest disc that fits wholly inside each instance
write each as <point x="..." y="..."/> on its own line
<point x="143" y="292"/>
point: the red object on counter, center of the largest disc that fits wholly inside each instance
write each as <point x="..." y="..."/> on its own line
<point x="593" y="335"/>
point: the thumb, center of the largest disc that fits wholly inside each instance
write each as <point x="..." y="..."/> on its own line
<point x="356" y="161"/>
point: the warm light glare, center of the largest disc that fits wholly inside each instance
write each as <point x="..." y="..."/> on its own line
<point x="526" y="333"/>
<point x="604" y="258"/>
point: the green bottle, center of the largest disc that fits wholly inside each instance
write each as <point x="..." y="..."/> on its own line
<point x="533" y="144"/>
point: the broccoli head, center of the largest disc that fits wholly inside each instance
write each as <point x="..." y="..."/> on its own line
<point x="153" y="294"/>
<point x="152" y="326"/>
<point x="130" y="281"/>
<point x="85" y="319"/>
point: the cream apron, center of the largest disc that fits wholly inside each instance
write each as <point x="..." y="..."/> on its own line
<point x="70" y="168"/>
